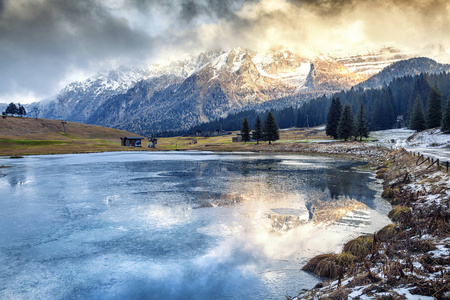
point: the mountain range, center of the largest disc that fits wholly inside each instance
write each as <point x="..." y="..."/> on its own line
<point x="196" y="89"/>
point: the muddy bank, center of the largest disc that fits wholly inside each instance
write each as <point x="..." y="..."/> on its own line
<point x="407" y="258"/>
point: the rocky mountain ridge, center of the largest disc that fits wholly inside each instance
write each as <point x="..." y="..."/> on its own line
<point x="200" y="88"/>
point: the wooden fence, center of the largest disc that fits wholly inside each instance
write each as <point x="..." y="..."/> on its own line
<point x="421" y="159"/>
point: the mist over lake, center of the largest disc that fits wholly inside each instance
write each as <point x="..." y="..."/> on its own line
<point x="176" y="225"/>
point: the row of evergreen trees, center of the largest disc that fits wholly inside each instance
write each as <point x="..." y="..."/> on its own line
<point x="435" y="116"/>
<point x="390" y="106"/>
<point x="13" y="109"/>
<point x="266" y="132"/>
<point x="341" y="122"/>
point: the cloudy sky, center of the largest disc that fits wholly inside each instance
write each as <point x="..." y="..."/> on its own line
<point x="46" y="44"/>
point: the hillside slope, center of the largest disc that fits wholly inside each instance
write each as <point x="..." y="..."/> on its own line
<point x="21" y="136"/>
<point x="411" y="67"/>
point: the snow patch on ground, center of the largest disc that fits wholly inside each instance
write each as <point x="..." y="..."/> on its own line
<point x="430" y="138"/>
<point x="432" y="142"/>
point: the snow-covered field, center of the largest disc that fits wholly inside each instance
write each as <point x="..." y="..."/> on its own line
<point x="430" y="142"/>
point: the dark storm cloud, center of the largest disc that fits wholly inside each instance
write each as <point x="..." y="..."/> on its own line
<point x="189" y="10"/>
<point x="326" y="7"/>
<point x="41" y="41"/>
<point x="212" y="8"/>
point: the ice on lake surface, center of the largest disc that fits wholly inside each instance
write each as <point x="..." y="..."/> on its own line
<point x="140" y="225"/>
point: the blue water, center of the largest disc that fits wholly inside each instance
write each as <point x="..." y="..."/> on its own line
<point x="140" y="225"/>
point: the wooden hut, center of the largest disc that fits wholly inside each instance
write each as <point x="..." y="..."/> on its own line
<point x="131" y="141"/>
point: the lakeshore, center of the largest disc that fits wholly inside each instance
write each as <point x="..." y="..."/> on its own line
<point x="409" y="259"/>
<point x="404" y="259"/>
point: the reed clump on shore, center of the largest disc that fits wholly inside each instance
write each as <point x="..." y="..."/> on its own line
<point x="330" y="265"/>
<point x="359" y="247"/>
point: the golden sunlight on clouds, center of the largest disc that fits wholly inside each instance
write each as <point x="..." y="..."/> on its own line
<point x="269" y="23"/>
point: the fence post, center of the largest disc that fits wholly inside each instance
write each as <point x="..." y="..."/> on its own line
<point x="419" y="156"/>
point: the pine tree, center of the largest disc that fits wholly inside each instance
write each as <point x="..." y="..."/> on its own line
<point x="388" y="109"/>
<point x="434" y="113"/>
<point x="346" y="125"/>
<point x="21" y="111"/>
<point x="270" y="128"/>
<point x="12" y="109"/>
<point x="445" y="127"/>
<point x="333" y="116"/>
<point x="258" y="132"/>
<point x="417" y="120"/>
<point x="245" y="131"/>
<point x="362" y="126"/>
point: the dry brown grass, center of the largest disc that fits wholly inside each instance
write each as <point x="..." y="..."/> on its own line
<point x="25" y="136"/>
<point x="338" y="294"/>
<point x="359" y="247"/>
<point x="388" y="232"/>
<point x="381" y="173"/>
<point x="330" y="265"/>
<point x="391" y="297"/>
<point x="363" y="279"/>
<point x="390" y="192"/>
<point x="399" y="213"/>
<point x="422" y="246"/>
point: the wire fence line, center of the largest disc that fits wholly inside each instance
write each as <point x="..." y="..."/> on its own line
<point x="421" y="159"/>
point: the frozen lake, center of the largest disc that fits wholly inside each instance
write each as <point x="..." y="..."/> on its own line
<point x="140" y="225"/>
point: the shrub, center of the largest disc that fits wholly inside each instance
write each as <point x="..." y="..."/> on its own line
<point x="359" y="247"/>
<point x="399" y="213"/>
<point x="387" y="232"/>
<point x="328" y="265"/>
<point x="390" y="192"/>
<point x="381" y="173"/>
<point x="422" y="246"/>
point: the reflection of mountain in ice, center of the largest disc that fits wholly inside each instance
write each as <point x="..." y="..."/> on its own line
<point x="175" y="225"/>
<point x="355" y="218"/>
<point x="343" y="212"/>
<point x="288" y="218"/>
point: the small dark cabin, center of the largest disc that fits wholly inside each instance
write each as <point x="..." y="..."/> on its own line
<point x="131" y="141"/>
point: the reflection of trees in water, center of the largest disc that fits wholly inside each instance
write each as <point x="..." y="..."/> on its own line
<point x="220" y="180"/>
<point x="351" y="184"/>
<point x="246" y="166"/>
<point x="341" y="182"/>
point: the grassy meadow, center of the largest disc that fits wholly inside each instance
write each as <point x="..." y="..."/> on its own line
<point x="29" y="136"/>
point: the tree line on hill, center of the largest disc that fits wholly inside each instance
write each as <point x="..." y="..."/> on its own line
<point x="13" y="109"/>
<point x="393" y="105"/>
<point x="341" y="123"/>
